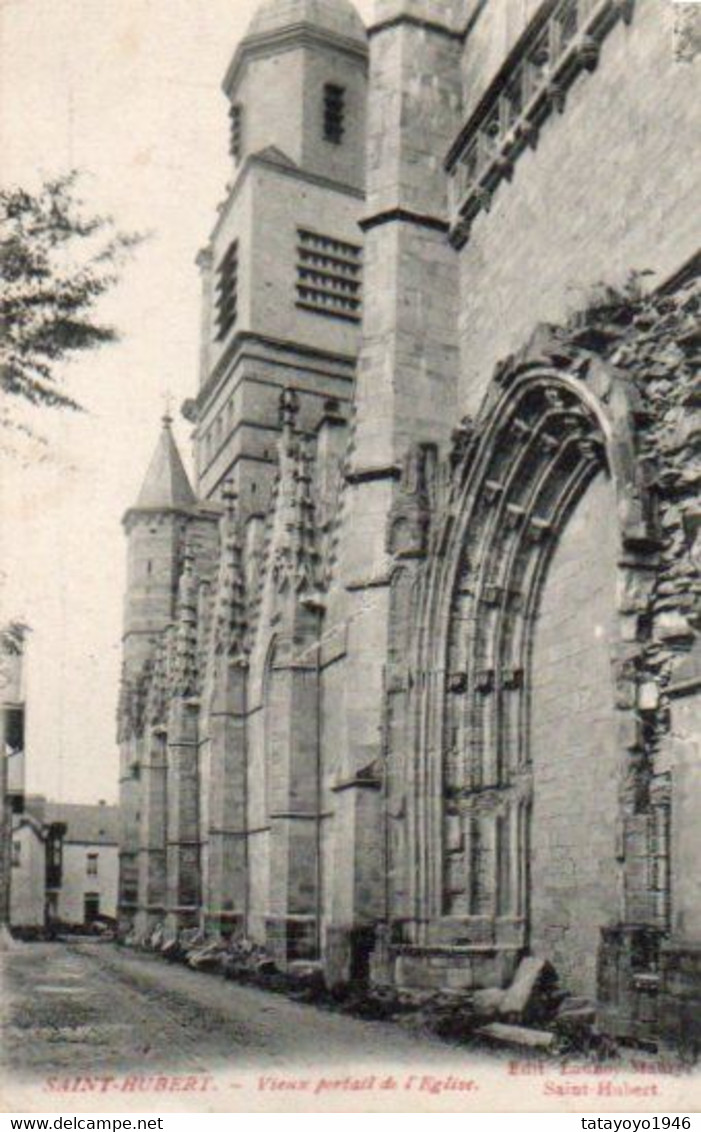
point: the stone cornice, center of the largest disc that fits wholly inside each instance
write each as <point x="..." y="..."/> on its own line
<point x="300" y="173"/>
<point x="241" y="423"/>
<point x="679" y="691"/>
<point x="260" y="160"/>
<point x="403" y="216"/>
<point x="433" y="27"/>
<point x="235" y="351"/>
<point x="371" y="474"/>
<point x="405" y="19"/>
<point x="357" y="784"/>
<point x="376" y="582"/>
<point x="285" y="39"/>
<point x="134" y="513"/>
<point x="294" y="815"/>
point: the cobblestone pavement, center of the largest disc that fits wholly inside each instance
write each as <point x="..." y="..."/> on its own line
<point x="92" y="1008"/>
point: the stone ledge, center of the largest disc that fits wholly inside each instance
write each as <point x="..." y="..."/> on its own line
<point x="406" y="19"/>
<point x="404" y="216"/>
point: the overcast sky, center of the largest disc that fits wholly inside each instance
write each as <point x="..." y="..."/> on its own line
<point x="128" y="91"/>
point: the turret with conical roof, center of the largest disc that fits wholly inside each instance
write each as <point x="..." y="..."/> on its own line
<point x="155" y="527"/>
<point x="166" y="484"/>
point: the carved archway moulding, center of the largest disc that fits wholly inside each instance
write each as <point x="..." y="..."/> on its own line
<point x="496" y="511"/>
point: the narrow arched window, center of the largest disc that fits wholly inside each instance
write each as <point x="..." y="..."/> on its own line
<point x="334" y="113"/>
<point x="236" y="131"/>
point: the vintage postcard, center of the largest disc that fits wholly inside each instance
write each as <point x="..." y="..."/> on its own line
<point x="350" y="536"/>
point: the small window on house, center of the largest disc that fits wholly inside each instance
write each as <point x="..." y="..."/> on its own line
<point x="334" y="113"/>
<point x="236" y="135"/>
<point x="55" y="855"/>
<point x="16" y="854"/>
<point x="91" y="907"/>
<point x="92" y="864"/>
<point x="227" y="287"/>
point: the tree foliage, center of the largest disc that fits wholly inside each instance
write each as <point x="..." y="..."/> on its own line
<point x="12" y="637"/>
<point x="55" y="264"/>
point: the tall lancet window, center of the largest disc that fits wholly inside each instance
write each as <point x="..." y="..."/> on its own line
<point x="227" y="291"/>
<point x="334" y="113"/>
<point x="236" y="131"/>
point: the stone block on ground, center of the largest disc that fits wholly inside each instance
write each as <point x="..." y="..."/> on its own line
<point x="172" y="950"/>
<point x="576" y="1022"/>
<point x="306" y="978"/>
<point x="488" y="1002"/>
<point x="264" y="965"/>
<point x="576" y="1005"/>
<point x="157" y="938"/>
<point x="190" y="938"/>
<point x="209" y="957"/>
<point x="449" y="1016"/>
<point x="531" y="996"/>
<point x="522" y="1036"/>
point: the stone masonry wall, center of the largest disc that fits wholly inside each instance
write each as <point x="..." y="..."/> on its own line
<point x="607" y="189"/>
<point x="495" y="31"/>
<point x="575" y="759"/>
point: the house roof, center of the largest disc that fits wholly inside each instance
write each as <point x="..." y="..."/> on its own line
<point x="30" y="822"/>
<point x="93" y="825"/>
<point x="35" y="804"/>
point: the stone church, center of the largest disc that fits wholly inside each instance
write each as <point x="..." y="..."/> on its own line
<point x="412" y="671"/>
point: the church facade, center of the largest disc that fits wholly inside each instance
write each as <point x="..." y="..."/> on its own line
<point x="412" y="673"/>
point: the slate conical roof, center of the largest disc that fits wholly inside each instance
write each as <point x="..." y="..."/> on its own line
<point x="166" y="484"/>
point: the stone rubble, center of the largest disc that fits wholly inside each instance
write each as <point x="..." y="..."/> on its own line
<point x="532" y="1012"/>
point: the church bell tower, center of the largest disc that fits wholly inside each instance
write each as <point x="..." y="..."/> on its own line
<point x="283" y="272"/>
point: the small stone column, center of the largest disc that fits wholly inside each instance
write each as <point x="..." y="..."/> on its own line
<point x="680" y="961"/>
<point x="183" y="886"/>
<point x="226" y="884"/>
<point x="152" y="849"/>
<point x="293" y="923"/>
<point x="129" y="802"/>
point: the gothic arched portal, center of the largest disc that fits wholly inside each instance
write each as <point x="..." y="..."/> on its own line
<point x="546" y="448"/>
<point x="521" y="496"/>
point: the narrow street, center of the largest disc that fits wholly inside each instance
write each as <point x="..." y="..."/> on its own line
<point x="90" y="1027"/>
<point x="92" y="1008"/>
